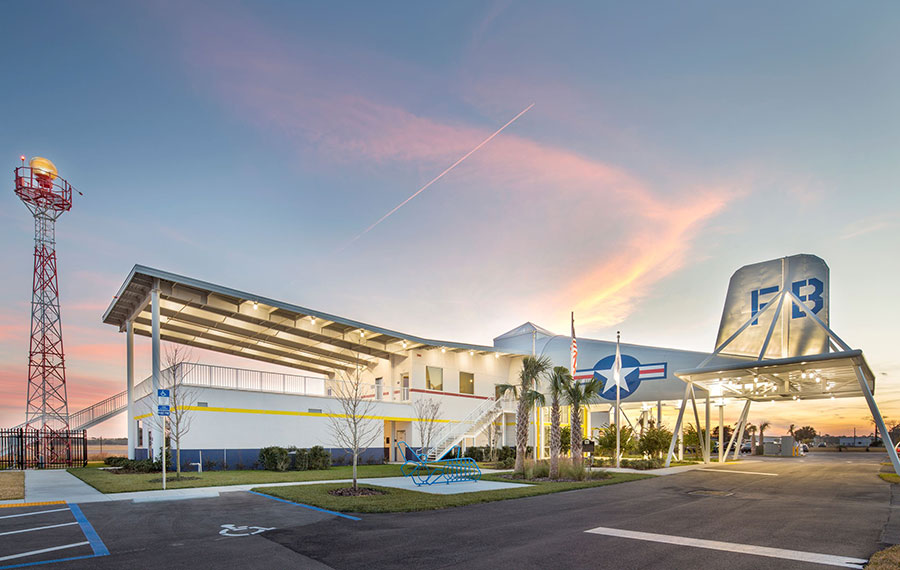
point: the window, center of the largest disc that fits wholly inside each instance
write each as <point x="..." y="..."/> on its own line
<point x="497" y="393"/>
<point x="434" y="378"/>
<point x="202" y="405"/>
<point x="466" y="383"/>
<point x="379" y="388"/>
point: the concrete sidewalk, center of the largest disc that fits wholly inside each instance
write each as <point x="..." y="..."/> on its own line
<point x="60" y="485"/>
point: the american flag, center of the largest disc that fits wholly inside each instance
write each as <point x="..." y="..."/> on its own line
<point x="574" y="346"/>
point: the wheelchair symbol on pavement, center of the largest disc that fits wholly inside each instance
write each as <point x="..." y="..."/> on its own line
<point x="239" y="530"/>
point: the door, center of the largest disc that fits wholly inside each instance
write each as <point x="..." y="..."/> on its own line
<point x="401" y="436"/>
<point x="404" y="387"/>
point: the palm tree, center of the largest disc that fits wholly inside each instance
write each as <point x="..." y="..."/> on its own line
<point x="528" y="395"/>
<point x="791" y="431"/>
<point x="763" y="426"/>
<point x="559" y="379"/>
<point x="751" y="431"/>
<point x="578" y="395"/>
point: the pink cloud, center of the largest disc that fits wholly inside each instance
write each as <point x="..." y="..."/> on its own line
<point x="579" y="207"/>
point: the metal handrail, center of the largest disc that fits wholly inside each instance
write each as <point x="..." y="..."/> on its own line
<point x="451" y="434"/>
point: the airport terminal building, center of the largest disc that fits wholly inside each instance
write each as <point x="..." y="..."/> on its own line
<point x="769" y="349"/>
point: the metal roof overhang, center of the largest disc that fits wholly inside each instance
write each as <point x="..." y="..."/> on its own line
<point x="212" y="317"/>
<point x="828" y="375"/>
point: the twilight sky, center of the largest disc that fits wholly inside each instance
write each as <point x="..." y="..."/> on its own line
<point x="669" y="144"/>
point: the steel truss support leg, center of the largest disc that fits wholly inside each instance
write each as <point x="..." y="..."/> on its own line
<point x="879" y="421"/>
<point x="677" y="430"/>
<point x="739" y="431"/>
<point x="702" y="438"/>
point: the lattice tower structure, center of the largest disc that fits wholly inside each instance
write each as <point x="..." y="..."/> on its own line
<point x="47" y="196"/>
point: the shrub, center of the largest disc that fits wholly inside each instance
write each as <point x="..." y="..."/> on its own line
<point x="319" y="458"/>
<point x="300" y="461"/>
<point x="565" y="440"/>
<point x="274" y="458"/>
<point x="210" y="465"/>
<point x="655" y="441"/>
<point x="115" y="461"/>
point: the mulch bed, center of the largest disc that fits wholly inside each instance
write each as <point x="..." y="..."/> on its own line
<point x="595" y="477"/>
<point x="358" y="492"/>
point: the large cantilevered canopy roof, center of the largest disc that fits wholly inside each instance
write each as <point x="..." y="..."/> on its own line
<point x="212" y="317"/>
<point x="828" y="375"/>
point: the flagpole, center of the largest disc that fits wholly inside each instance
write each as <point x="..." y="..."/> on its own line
<point x="618" y="375"/>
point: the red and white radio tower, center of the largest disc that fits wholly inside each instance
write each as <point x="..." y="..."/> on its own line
<point x="47" y="196"/>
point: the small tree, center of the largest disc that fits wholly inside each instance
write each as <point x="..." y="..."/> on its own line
<point x="528" y="395"/>
<point x="578" y="395"/>
<point x="751" y="431"/>
<point x="559" y="379"/>
<point x="763" y="426"/>
<point x="805" y="434"/>
<point x="428" y="412"/>
<point x="493" y="434"/>
<point x="352" y="425"/>
<point x="181" y="399"/>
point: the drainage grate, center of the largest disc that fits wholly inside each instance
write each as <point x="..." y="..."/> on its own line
<point x="709" y="493"/>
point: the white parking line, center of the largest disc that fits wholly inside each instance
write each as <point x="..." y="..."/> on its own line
<point x="814" y="557"/>
<point x="43" y="550"/>
<point x="38" y="528"/>
<point x="35" y="513"/>
<point x="736" y="471"/>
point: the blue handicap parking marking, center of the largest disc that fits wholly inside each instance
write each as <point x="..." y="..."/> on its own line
<point x="51" y="536"/>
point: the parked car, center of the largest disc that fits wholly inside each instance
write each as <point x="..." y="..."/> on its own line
<point x="746" y="447"/>
<point x="822" y="444"/>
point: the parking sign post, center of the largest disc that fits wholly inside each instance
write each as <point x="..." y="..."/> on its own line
<point x="162" y="410"/>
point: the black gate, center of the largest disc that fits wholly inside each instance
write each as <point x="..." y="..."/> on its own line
<point x="28" y="448"/>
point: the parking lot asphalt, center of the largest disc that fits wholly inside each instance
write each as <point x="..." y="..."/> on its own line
<point x="830" y="505"/>
<point x="222" y="532"/>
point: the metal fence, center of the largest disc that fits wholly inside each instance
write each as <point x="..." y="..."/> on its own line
<point x="26" y="448"/>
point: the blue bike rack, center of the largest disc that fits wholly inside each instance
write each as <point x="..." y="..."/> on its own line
<point x="424" y="472"/>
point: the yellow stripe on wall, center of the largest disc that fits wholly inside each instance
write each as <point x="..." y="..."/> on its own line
<point x="293" y="413"/>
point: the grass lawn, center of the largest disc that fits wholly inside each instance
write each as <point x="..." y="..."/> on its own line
<point x="12" y="485"/>
<point x="890" y="477"/>
<point x="401" y="500"/>
<point x="887" y="559"/>
<point x="110" y="482"/>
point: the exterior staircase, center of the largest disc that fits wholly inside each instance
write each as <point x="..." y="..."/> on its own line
<point x="450" y="435"/>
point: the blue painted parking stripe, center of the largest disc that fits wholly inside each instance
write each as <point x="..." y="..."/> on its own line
<point x="89" y="532"/>
<point x="24" y="564"/>
<point x="337" y="514"/>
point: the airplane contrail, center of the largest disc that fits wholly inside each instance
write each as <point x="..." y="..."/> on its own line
<point x="438" y="177"/>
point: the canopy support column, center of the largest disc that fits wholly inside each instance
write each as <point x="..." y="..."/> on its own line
<point x="154" y="361"/>
<point x="129" y="386"/>
<point x="707" y="449"/>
